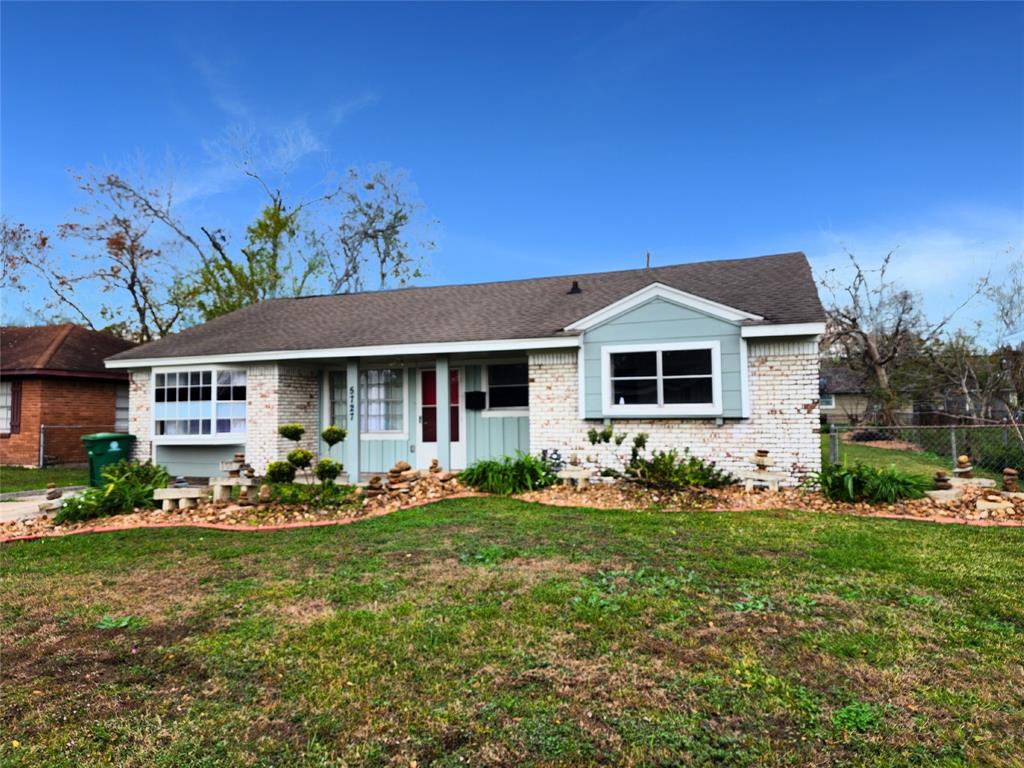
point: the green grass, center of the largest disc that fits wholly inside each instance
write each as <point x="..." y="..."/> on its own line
<point x="920" y="462"/>
<point x="495" y="632"/>
<point x="28" y="479"/>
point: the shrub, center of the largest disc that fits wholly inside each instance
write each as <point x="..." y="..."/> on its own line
<point x="328" y="496"/>
<point x="300" y="458"/>
<point x="293" y="432"/>
<point x="327" y="471"/>
<point x="669" y="471"/>
<point x="280" y="472"/>
<point x="870" y="436"/>
<point x="507" y="475"/>
<point x="333" y="435"/>
<point x="853" y="483"/>
<point x="129" y="485"/>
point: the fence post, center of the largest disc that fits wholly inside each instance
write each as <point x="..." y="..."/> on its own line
<point x="952" y="444"/>
<point x="833" y="444"/>
<point x="42" y="445"/>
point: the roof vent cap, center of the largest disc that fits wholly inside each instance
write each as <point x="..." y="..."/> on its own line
<point x="575" y="288"/>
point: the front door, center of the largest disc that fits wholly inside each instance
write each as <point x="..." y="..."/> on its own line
<point x="426" y="446"/>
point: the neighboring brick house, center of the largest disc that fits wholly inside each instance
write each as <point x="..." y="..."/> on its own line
<point x="719" y="357"/>
<point x="54" y="375"/>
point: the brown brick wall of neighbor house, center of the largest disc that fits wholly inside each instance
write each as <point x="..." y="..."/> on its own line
<point x="22" y="447"/>
<point x="69" y="408"/>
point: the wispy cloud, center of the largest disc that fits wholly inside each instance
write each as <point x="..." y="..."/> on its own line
<point x="339" y="113"/>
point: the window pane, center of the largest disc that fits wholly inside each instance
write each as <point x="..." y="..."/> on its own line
<point x="688" y="390"/>
<point x="206" y="378"/>
<point x="511" y="373"/>
<point x="160" y="379"/>
<point x="635" y="391"/>
<point x="172" y="379"/>
<point x="172" y="395"/>
<point x="182" y="394"/>
<point x="204" y="393"/>
<point x="453" y="423"/>
<point x="223" y="378"/>
<point x="509" y="397"/>
<point x="206" y="426"/>
<point x="339" y="399"/>
<point x="429" y="424"/>
<point x="223" y="393"/>
<point x="381" y="400"/>
<point x="194" y="378"/>
<point x="223" y="425"/>
<point x="686" y="362"/>
<point x="238" y="393"/>
<point x="159" y="395"/>
<point x="634" y="364"/>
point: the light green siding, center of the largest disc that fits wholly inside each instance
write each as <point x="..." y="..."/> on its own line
<point x="659" y="321"/>
<point x="195" y="460"/>
<point x="492" y="437"/>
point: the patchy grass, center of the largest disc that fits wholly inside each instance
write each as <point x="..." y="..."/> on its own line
<point x="496" y="632"/>
<point x="918" y="462"/>
<point x="29" y="479"/>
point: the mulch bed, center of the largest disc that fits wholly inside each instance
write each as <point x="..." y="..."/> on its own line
<point x="628" y="496"/>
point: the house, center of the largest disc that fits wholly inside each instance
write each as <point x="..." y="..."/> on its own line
<point x="54" y="388"/>
<point x="844" y="394"/>
<point x="719" y="356"/>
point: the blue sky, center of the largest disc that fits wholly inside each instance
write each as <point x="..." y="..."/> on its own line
<point x="551" y="139"/>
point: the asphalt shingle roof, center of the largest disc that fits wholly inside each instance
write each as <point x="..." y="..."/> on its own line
<point x="780" y="288"/>
<point x="66" y="348"/>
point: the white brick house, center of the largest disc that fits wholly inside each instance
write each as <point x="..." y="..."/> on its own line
<point x="718" y="357"/>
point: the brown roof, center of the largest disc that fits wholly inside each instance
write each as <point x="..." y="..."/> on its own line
<point x="779" y="288"/>
<point x="57" y="349"/>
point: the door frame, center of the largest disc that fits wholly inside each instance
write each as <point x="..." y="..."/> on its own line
<point x="425" y="452"/>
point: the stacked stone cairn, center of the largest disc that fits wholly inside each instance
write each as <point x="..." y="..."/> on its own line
<point x="942" y="481"/>
<point x="1011" y="480"/>
<point x="404" y="482"/>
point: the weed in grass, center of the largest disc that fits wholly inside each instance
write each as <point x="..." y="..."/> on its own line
<point x="119" y="622"/>
<point x="858" y="717"/>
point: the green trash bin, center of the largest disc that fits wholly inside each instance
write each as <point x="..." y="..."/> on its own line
<point x="104" y="449"/>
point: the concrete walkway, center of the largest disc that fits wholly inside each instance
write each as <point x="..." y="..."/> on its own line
<point x="23" y="507"/>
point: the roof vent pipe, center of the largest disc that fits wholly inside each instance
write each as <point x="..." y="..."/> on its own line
<point x="575" y="288"/>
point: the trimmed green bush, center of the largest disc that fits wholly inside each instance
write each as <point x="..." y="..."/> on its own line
<point x="333" y="435"/>
<point x="300" y="458"/>
<point x="327" y="496"/>
<point x="327" y="471"/>
<point x="292" y="432"/>
<point x="507" y="475"/>
<point x="280" y="472"/>
<point x="668" y="470"/>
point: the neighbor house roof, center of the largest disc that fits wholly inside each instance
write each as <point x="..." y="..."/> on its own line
<point x="58" y="350"/>
<point x="839" y="379"/>
<point x="778" y="288"/>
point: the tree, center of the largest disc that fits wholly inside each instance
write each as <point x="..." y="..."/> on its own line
<point x="877" y="327"/>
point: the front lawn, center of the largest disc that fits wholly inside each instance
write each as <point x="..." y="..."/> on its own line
<point x="495" y="632"/>
<point x="29" y="478"/>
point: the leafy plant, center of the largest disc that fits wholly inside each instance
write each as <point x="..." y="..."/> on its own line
<point x="858" y="717"/>
<point x="280" y="472"/>
<point x="119" y="622"/>
<point x="639" y="444"/>
<point x="669" y="470"/>
<point x="327" y="496"/>
<point x="129" y="485"/>
<point x="293" y="432"/>
<point x="857" y="482"/>
<point x="333" y="435"/>
<point x="300" y="458"/>
<point x="327" y="470"/>
<point x="507" y="475"/>
<point x="600" y="436"/>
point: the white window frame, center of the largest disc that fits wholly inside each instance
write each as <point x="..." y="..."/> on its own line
<point x="214" y="438"/>
<point x="395" y="434"/>
<point x="826" y="401"/>
<point x="8" y="407"/>
<point x="498" y="413"/>
<point x="714" y="408"/>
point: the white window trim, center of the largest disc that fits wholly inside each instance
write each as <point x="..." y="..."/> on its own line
<point x="214" y="438"/>
<point x="393" y="434"/>
<point x="826" y="405"/>
<point x="714" y="408"/>
<point x="502" y="413"/>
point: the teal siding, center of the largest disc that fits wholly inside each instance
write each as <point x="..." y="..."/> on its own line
<point x="195" y="460"/>
<point x="663" y="321"/>
<point x="492" y="437"/>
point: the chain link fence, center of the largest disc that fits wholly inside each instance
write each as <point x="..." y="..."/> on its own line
<point x="61" y="444"/>
<point x="990" y="447"/>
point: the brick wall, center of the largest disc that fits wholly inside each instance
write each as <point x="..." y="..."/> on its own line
<point x="280" y="394"/>
<point x="140" y="414"/>
<point x="784" y="415"/>
<point x="69" y="408"/>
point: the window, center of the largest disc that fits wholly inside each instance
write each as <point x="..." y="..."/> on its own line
<point x="338" y="395"/>
<point x="201" y="403"/>
<point x="508" y="386"/>
<point x="827" y="400"/>
<point x="381" y="400"/>
<point x="121" y="423"/>
<point x="671" y="379"/>
<point x="6" y="406"/>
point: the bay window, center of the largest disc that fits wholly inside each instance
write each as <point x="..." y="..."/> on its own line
<point x="199" y="403"/>
<point x="382" y="400"/>
<point x="671" y="379"/>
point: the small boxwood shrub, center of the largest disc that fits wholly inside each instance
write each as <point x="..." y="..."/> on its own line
<point x="280" y="472"/>
<point x="333" y="435"/>
<point x="668" y="470"/>
<point x="292" y="432"/>
<point x="509" y="475"/>
<point x="300" y="458"/>
<point x="327" y="471"/>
